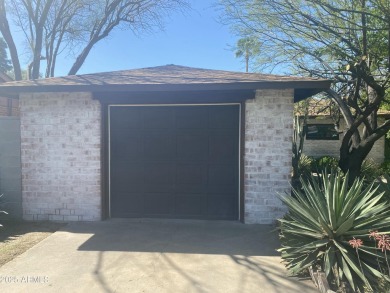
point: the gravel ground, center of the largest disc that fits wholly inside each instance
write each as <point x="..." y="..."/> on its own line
<point x="16" y="237"/>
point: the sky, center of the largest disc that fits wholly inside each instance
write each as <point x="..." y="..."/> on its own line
<point x="194" y="38"/>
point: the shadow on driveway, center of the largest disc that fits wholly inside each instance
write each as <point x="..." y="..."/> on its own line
<point x="156" y="256"/>
<point x="173" y="236"/>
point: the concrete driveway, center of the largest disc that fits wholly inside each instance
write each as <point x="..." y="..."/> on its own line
<point x="153" y="256"/>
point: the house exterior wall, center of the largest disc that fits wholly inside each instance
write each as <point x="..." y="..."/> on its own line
<point x="9" y="107"/>
<point x="10" y="173"/>
<point x="267" y="158"/>
<point x="60" y="155"/>
<point x="320" y="148"/>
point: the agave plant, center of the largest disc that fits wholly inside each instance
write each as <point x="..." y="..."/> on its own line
<point x="384" y="186"/>
<point x="370" y="170"/>
<point x="323" y="216"/>
<point x="304" y="165"/>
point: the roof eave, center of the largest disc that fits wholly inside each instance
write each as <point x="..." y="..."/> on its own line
<point x="303" y="89"/>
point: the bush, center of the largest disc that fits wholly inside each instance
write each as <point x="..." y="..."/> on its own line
<point x="322" y="218"/>
<point x="370" y="170"/>
<point x="386" y="167"/>
<point x="387" y="147"/>
<point x="325" y="163"/>
<point x="305" y="165"/>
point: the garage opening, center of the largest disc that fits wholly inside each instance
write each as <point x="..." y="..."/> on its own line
<point x="177" y="161"/>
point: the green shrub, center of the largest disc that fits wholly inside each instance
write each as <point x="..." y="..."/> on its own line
<point x="305" y="165"/>
<point x="387" y="146"/>
<point x="370" y="170"/>
<point x="322" y="218"/>
<point x="325" y="163"/>
<point x="303" y="170"/>
<point x="385" y="167"/>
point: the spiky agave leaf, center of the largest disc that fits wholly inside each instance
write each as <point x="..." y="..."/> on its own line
<point x="320" y="221"/>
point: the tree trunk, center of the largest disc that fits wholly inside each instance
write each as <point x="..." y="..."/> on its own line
<point x="14" y="57"/>
<point x="351" y="161"/>
<point x="36" y="64"/>
<point x="84" y="54"/>
<point x="80" y="60"/>
<point x="6" y="32"/>
<point x="352" y="165"/>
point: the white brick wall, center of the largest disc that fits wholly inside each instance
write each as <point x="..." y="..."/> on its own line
<point x="319" y="148"/>
<point x="60" y="154"/>
<point x="268" y="134"/>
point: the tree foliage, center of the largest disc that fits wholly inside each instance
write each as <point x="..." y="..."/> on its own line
<point x="247" y="48"/>
<point x="73" y="27"/>
<point x="5" y="63"/>
<point x="346" y="41"/>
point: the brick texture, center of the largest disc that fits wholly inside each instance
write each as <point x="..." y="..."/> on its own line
<point x="60" y="155"/>
<point x="267" y="158"/>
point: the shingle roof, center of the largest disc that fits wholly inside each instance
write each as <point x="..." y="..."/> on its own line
<point x="4" y="77"/>
<point x="168" y="77"/>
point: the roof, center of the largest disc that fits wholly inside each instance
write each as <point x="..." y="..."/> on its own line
<point x="4" y="77"/>
<point x="168" y="78"/>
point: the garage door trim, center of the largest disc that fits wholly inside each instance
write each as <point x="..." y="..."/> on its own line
<point x="175" y="105"/>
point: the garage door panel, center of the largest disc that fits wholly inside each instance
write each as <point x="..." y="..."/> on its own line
<point x="159" y="204"/>
<point x="158" y="118"/>
<point x="159" y="145"/>
<point x="222" y="206"/>
<point x="126" y="118"/>
<point x="174" y="162"/>
<point x="159" y="177"/>
<point x="130" y="181"/>
<point x="221" y="117"/>
<point x="191" y="174"/>
<point x="191" y="205"/>
<point x="192" y="146"/>
<point x="191" y="178"/>
<point x="128" y="146"/>
<point x="192" y="118"/>
<point x="223" y="147"/>
<point x="127" y="204"/>
<point x="222" y="178"/>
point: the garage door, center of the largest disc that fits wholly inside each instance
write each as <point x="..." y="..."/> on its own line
<point x="174" y="161"/>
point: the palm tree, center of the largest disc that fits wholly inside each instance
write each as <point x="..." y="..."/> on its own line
<point x="247" y="47"/>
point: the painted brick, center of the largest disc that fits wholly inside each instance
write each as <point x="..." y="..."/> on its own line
<point x="60" y="155"/>
<point x="268" y="133"/>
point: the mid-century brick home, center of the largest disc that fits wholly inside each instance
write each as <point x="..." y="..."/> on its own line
<point x="162" y="142"/>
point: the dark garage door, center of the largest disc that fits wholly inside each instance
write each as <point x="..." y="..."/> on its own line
<point x="174" y="161"/>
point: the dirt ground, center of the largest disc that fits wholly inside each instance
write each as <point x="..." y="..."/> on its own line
<point x="16" y="237"/>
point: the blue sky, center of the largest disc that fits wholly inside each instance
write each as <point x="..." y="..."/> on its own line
<point x="194" y="38"/>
